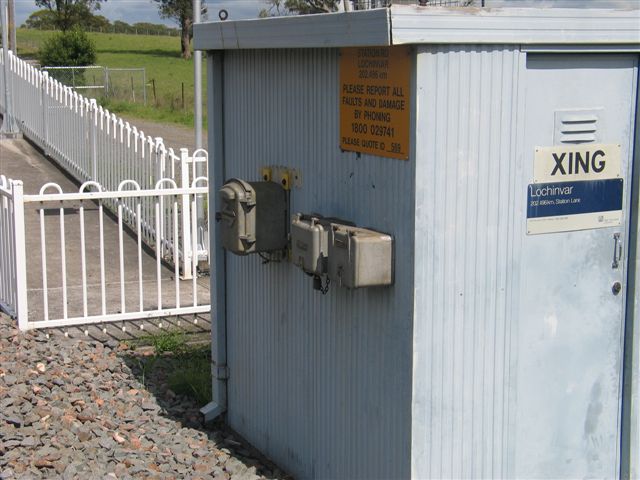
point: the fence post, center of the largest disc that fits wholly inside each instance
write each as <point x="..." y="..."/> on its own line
<point x="93" y="119"/>
<point x="186" y="216"/>
<point x="21" y="255"/>
<point x="44" y="87"/>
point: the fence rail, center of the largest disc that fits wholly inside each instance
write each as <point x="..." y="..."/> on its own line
<point x="92" y="270"/>
<point x="94" y="145"/>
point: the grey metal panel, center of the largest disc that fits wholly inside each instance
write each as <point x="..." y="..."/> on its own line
<point x="468" y="226"/>
<point x="408" y="24"/>
<point x="584" y="48"/>
<point x="321" y="384"/>
<point x="365" y="28"/>
<point x="630" y="458"/>
<point x="514" y="26"/>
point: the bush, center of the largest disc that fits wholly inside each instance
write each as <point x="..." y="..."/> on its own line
<point x="72" y="48"/>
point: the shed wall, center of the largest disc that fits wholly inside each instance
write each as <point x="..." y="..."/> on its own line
<point x="321" y="384"/>
<point x="468" y="224"/>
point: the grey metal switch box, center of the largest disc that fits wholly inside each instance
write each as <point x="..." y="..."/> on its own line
<point x="309" y="243"/>
<point x="253" y="217"/>
<point x="359" y="257"/>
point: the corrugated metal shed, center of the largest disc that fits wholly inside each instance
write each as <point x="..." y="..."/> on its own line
<point x="432" y="377"/>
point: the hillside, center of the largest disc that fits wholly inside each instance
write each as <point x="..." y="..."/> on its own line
<point x="158" y="55"/>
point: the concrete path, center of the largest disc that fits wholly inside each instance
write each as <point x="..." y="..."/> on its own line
<point x="19" y="160"/>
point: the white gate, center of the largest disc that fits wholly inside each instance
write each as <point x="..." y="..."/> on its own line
<point x="13" y="274"/>
<point x="91" y="269"/>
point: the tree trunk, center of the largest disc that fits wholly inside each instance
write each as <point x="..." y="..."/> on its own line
<point x="185" y="43"/>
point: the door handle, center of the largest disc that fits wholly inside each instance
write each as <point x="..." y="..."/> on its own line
<point x="617" y="251"/>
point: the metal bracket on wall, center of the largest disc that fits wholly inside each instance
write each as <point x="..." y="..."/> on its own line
<point x="221" y="372"/>
<point x="287" y="177"/>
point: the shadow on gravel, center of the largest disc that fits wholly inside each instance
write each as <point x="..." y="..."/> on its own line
<point x="178" y="375"/>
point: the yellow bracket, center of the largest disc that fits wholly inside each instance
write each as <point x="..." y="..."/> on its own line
<point x="285" y="179"/>
<point x="288" y="178"/>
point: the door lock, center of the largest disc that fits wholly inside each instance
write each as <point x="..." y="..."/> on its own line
<point x="616" y="288"/>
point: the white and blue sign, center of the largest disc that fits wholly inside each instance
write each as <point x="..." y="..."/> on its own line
<point x="569" y="206"/>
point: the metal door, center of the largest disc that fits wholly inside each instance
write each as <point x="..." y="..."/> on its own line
<point x="572" y="307"/>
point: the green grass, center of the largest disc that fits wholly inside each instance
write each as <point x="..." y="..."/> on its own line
<point x="158" y="55"/>
<point x="192" y="375"/>
<point x="187" y="368"/>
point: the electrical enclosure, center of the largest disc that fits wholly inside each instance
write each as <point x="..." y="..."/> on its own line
<point x="498" y="351"/>
<point x="309" y="243"/>
<point x="359" y="257"/>
<point x="253" y="217"/>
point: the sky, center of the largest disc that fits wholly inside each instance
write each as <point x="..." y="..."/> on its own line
<point x="132" y="11"/>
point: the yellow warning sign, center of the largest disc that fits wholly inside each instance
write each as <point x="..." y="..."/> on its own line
<point x="374" y="100"/>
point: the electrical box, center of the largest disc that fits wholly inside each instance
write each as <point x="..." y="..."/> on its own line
<point x="359" y="257"/>
<point x="253" y="217"/>
<point x="309" y="243"/>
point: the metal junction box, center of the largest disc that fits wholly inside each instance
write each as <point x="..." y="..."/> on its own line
<point x="497" y="150"/>
<point x="309" y="243"/>
<point x="359" y="257"/>
<point x="253" y="217"/>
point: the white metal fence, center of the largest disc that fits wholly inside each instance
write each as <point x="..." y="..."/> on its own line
<point x="13" y="274"/>
<point x="92" y="144"/>
<point x="96" y="271"/>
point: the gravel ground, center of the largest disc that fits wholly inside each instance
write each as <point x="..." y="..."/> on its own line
<point x="74" y="408"/>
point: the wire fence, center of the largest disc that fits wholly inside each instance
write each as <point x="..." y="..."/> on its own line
<point x="129" y="30"/>
<point x="121" y="84"/>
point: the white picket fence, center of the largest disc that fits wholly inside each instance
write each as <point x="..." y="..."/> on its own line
<point x="94" y="145"/>
<point x="94" y="271"/>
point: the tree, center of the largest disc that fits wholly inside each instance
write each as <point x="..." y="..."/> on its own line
<point x="41" y="19"/>
<point x="121" y="27"/>
<point x="306" y="7"/>
<point x="69" y="49"/>
<point x="99" y="22"/>
<point x="70" y="13"/>
<point x="302" y="7"/>
<point x="181" y="11"/>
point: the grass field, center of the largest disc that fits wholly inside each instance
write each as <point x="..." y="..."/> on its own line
<point x="159" y="55"/>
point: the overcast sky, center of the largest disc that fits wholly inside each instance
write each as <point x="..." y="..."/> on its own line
<point x="132" y="11"/>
